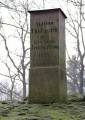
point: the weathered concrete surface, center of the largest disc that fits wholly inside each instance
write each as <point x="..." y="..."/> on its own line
<point x="47" y="78"/>
<point x="46" y="86"/>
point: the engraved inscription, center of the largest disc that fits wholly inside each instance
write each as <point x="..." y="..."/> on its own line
<point x="44" y="44"/>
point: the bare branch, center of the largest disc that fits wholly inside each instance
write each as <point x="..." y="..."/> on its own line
<point x="6" y="47"/>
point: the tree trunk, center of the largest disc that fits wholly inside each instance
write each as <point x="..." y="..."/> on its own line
<point x="81" y="77"/>
<point x="24" y="85"/>
<point x="11" y="95"/>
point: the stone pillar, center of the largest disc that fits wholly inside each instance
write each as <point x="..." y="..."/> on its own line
<point x="47" y="74"/>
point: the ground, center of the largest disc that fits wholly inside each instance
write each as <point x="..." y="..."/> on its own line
<point x="72" y="110"/>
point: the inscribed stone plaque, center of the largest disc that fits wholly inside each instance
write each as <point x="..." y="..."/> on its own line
<point x="47" y="78"/>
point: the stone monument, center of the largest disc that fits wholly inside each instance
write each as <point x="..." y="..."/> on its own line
<point x="47" y="75"/>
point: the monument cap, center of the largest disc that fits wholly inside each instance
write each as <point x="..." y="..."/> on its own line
<point x="47" y="10"/>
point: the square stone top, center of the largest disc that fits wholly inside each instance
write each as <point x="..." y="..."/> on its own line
<point x="47" y="11"/>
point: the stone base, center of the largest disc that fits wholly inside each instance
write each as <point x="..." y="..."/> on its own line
<point x="46" y="85"/>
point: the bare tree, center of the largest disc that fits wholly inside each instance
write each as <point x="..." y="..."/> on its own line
<point x="9" y="90"/>
<point x="76" y="29"/>
<point x="5" y="92"/>
<point x="73" y="71"/>
<point x="22" y="32"/>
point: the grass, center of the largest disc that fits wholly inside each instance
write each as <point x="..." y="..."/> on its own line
<point x="74" y="110"/>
